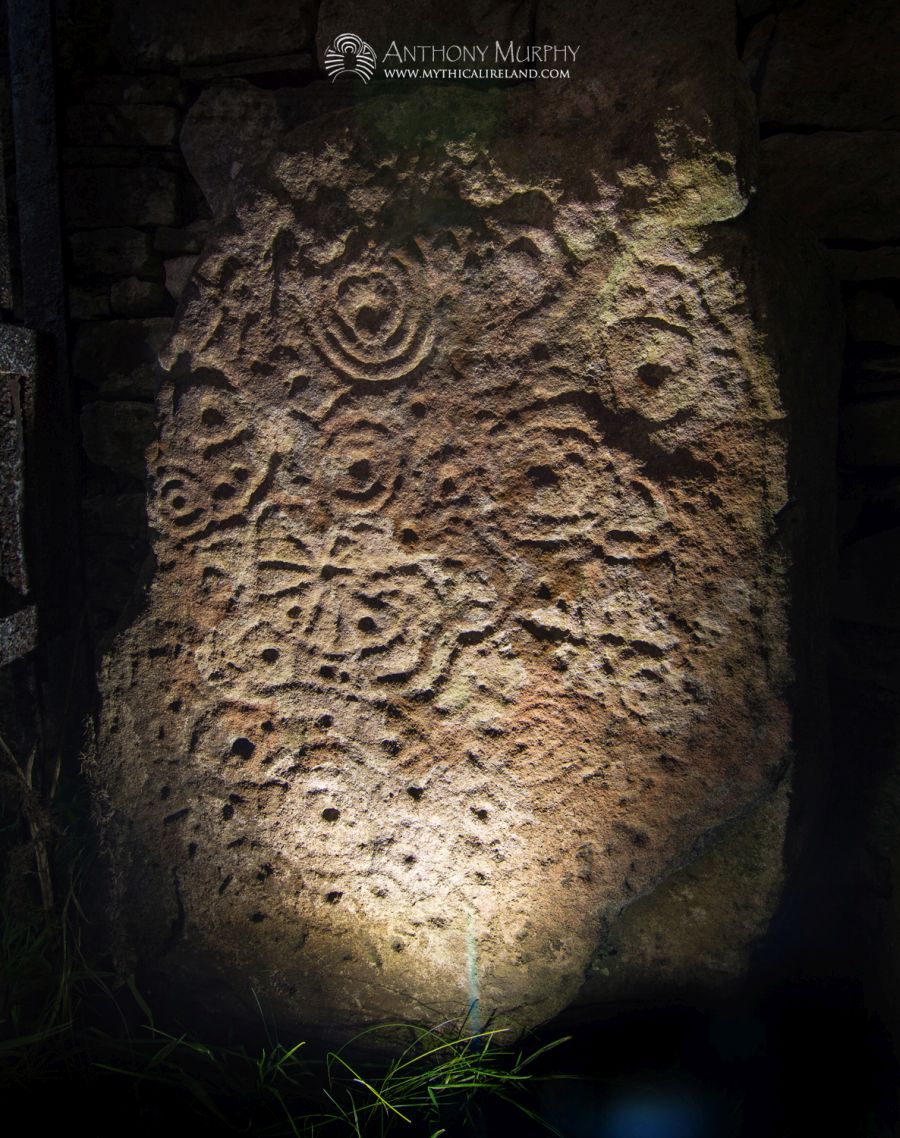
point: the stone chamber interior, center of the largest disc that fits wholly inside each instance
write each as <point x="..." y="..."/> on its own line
<point x="750" y="962"/>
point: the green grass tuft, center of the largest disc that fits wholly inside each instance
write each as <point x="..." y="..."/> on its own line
<point x="66" y="1019"/>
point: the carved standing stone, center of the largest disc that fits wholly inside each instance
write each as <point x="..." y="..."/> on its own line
<point x="469" y="618"/>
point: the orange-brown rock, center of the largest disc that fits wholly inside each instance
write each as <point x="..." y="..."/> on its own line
<point x="470" y="615"/>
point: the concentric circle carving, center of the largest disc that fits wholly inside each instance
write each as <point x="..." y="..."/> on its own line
<point x="371" y="320"/>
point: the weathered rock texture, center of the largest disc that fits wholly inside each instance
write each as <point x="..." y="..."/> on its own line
<point x="697" y="930"/>
<point x="470" y="616"/>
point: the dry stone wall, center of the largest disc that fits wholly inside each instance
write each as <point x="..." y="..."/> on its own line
<point x="826" y="79"/>
<point x="136" y="221"/>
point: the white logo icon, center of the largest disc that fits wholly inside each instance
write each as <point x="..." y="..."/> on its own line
<point x="350" y="55"/>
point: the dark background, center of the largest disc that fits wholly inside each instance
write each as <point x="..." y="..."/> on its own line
<point x="104" y="223"/>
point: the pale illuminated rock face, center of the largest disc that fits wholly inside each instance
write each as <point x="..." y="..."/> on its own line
<point x="469" y="615"/>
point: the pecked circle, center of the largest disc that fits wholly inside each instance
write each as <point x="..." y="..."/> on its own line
<point x="371" y="321"/>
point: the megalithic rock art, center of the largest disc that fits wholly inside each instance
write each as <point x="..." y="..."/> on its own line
<point x="469" y="617"/>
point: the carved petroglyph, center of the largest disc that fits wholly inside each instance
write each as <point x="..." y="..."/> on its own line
<point x="349" y="609"/>
<point x="210" y="465"/>
<point x="370" y="321"/>
<point x="468" y="620"/>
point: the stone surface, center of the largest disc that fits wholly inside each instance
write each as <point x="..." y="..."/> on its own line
<point x="469" y="620"/>
<point x="227" y="124"/>
<point x="127" y="125"/>
<point x="117" y="564"/>
<point x="288" y="67"/>
<point x="134" y="297"/>
<point x="76" y="157"/>
<point x="89" y="303"/>
<point x="697" y="930"/>
<point x="120" y="357"/>
<point x="6" y="291"/>
<point x="668" y="88"/>
<point x="113" y="514"/>
<point x="117" y="89"/>
<point x="830" y="63"/>
<point x="102" y="198"/>
<point x="755" y="48"/>
<point x="872" y="374"/>
<point x="13" y="562"/>
<point x="18" y="350"/>
<point x="176" y="242"/>
<point x="223" y="130"/>
<point x="18" y="634"/>
<point x="870" y="433"/>
<point x="178" y="271"/>
<point x="115" y="435"/>
<point x="424" y="22"/>
<point x="836" y="183"/>
<point x="172" y="32"/>
<point x="653" y="75"/>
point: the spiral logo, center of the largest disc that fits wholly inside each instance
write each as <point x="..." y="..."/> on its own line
<point x="371" y="321"/>
<point x="350" y="55"/>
